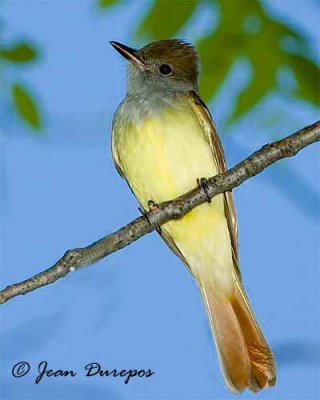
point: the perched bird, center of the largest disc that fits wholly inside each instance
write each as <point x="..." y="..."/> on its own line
<point x="163" y="141"/>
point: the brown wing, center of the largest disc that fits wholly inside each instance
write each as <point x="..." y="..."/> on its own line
<point x="210" y="131"/>
<point x="114" y="150"/>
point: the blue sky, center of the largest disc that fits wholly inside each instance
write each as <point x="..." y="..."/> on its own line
<point x="139" y="308"/>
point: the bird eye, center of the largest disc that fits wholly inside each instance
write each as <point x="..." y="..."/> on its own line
<point x="165" y="69"/>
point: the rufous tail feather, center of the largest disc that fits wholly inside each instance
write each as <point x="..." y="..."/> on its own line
<point x="245" y="357"/>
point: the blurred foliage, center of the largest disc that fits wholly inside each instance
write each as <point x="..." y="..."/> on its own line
<point x="15" y="55"/>
<point x="245" y="30"/>
<point x="106" y="3"/>
<point x="174" y="14"/>
<point x="18" y="52"/>
<point x="25" y="105"/>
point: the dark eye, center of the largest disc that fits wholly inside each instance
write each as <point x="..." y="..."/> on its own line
<point x="165" y="69"/>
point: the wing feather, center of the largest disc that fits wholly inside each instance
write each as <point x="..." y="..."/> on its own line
<point x="210" y="130"/>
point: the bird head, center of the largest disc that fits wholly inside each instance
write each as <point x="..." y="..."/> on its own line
<point x="166" y="65"/>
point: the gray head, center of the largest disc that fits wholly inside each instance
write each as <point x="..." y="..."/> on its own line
<point x="166" y="65"/>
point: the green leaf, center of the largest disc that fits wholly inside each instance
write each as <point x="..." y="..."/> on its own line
<point x="259" y="85"/>
<point x="166" y="18"/>
<point x="265" y="64"/>
<point x="25" y="106"/>
<point x="262" y="49"/>
<point x="307" y="75"/>
<point x="214" y="68"/>
<point x="220" y="49"/>
<point x="18" y="53"/>
<point x="106" y="3"/>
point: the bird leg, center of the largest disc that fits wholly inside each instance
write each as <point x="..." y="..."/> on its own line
<point x="203" y="185"/>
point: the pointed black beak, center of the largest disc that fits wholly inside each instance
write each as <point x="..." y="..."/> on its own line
<point x="128" y="53"/>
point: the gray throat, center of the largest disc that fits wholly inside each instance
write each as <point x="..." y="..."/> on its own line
<point x="147" y="96"/>
<point x="134" y="107"/>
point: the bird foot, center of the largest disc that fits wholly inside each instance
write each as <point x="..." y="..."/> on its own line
<point x="152" y="207"/>
<point x="203" y="184"/>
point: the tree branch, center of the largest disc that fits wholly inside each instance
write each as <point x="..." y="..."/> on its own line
<point x="175" y="209"/>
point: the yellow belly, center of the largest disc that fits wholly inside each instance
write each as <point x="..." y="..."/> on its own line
<point x="161" y="158"/>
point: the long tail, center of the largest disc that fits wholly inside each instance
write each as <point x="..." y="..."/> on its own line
<point x="245" y="357"/>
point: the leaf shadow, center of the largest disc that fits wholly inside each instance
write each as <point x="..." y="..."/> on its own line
<point x="56" y="391"/>
<point x="297" y="352"/>
<point x="34" y="332"/>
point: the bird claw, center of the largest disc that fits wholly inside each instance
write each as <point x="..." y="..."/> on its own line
<point x="152" y="207"/>
<point x="203" y="184"/>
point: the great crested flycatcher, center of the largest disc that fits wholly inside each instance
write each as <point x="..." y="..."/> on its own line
<point x="163" y="141"/>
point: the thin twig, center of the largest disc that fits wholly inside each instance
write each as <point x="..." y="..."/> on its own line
<point x="175" y="209"/>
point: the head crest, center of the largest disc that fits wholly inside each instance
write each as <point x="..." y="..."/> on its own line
<point x="180" y="55"/>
